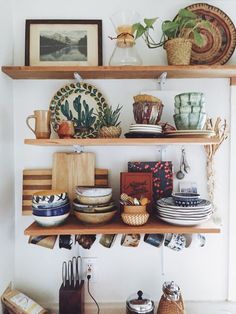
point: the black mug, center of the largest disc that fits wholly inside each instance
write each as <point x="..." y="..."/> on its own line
<point x="65" y="241"/>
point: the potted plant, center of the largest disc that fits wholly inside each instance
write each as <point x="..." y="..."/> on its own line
<point x="177" y="35"/>
<point x="109" y="126"/>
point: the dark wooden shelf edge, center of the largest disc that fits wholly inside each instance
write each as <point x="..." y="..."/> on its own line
<point x="73" y="226"/>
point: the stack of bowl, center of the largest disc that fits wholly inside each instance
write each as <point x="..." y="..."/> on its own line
<point x="93" y="205"/>
<point x="190" y="111"/>
<point x="51" y="207"/>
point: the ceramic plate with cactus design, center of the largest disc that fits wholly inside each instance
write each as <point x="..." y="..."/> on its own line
<point x="78" y="102"/>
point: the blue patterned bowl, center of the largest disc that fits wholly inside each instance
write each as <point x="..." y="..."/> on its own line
<point x="54" y="211"/>
<point x="186" y="199"/>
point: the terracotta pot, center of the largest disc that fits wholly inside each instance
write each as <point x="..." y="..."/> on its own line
<point x="66" y="129"/>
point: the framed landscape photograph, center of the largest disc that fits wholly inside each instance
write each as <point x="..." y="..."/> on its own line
<point x="63" y="42"/>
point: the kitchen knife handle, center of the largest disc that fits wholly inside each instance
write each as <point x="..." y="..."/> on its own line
<point x="70" y="272"/>
<point x="64" y="273"/>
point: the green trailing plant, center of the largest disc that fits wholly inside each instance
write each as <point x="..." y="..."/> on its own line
<point x="108" y="117"/>
<point x="185" y="25"/>
<point x="85" y="116"/>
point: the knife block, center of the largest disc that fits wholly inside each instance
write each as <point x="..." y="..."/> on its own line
<point x="71" y="299"/>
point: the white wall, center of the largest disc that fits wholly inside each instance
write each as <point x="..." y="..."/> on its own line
<point x="201" y="273"/>
<point x="6" y="155"/>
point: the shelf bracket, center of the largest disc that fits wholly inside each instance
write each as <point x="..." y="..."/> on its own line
<point x="78" y="149"/>
<point x="161" y="81"/>
<point x="78" y="77"/>
<point x="161" y="151"/>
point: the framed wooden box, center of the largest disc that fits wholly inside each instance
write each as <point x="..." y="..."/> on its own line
<point x="137" y="184"/>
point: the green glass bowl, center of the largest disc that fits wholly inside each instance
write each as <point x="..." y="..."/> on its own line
<point x="190" y="121"/>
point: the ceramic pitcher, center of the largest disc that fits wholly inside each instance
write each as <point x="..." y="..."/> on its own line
<point x="42" y="127"/>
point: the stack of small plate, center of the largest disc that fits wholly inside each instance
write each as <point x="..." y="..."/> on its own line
<point x="144" y="130"/>
<point x="190" y="133"/>
<point x="168" y="211"/>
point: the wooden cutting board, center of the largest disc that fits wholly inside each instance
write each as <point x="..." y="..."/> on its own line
<point x="72" y="169"/>
<point x="41" y="179"/>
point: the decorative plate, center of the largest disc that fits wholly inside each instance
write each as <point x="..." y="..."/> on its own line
<point x="78" y="102"/>
<point x="219" y="39"/>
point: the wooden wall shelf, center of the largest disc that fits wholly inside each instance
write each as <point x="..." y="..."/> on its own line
<point x="121" y="141"/>
<point x="73" y="226"/>
<point x="120" y="72"/>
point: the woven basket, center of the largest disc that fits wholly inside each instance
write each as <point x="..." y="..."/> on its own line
<point x="135" y="219"/>
<point x="109" y="132"/>
<point x="178" y="51"/>
<point x="167" y="306"/>
<point x="135" y="209"/>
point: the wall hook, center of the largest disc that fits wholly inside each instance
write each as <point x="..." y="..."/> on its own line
<point x="162" y="80"/>
<point x="78" y="149"/>
<point x="78" y="77"/>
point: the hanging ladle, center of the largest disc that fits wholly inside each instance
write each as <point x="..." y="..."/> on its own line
<point x="184" y="166"/>
<point x="180" y="174"/>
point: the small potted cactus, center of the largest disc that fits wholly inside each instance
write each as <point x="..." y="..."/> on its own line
<point x="109" y="126"/>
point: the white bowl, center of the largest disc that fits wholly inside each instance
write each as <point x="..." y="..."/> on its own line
<point x="50" y="221"/>
<point x="93" y="191"/>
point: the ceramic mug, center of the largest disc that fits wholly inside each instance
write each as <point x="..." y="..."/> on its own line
<point x="42" y="127"/>
<point x="85" y="240"/>
<point x="65" y="241"/>
<point x="155" y="239"/>
<point x="107" y="240"/>
<point x="130" y="240"/>
<point x="66" y="129"/>
<point x="195" y="240"/>
<point x="176" y="241"/>
<point x="44" y="241"/>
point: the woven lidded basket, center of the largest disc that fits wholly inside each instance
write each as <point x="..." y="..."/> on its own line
<point x="135" y="219"/>
<point x="178" y="51"/>
<point x="167" y="306"/>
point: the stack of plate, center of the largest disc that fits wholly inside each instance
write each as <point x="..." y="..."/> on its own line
<point x="167" y="211"/>
<point x="144" y="130"/>
<point x="190" y="133"/>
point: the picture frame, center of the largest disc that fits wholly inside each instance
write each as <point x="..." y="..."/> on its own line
<point x="136" y="184"/>
<point x="63" y="43"/>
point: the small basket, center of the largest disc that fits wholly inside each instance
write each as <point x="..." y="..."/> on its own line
<point x="135" y="209"/>
<point x="167" y="306"/>
<point x="135" y="219"/>
<point x="178" y="51"/>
